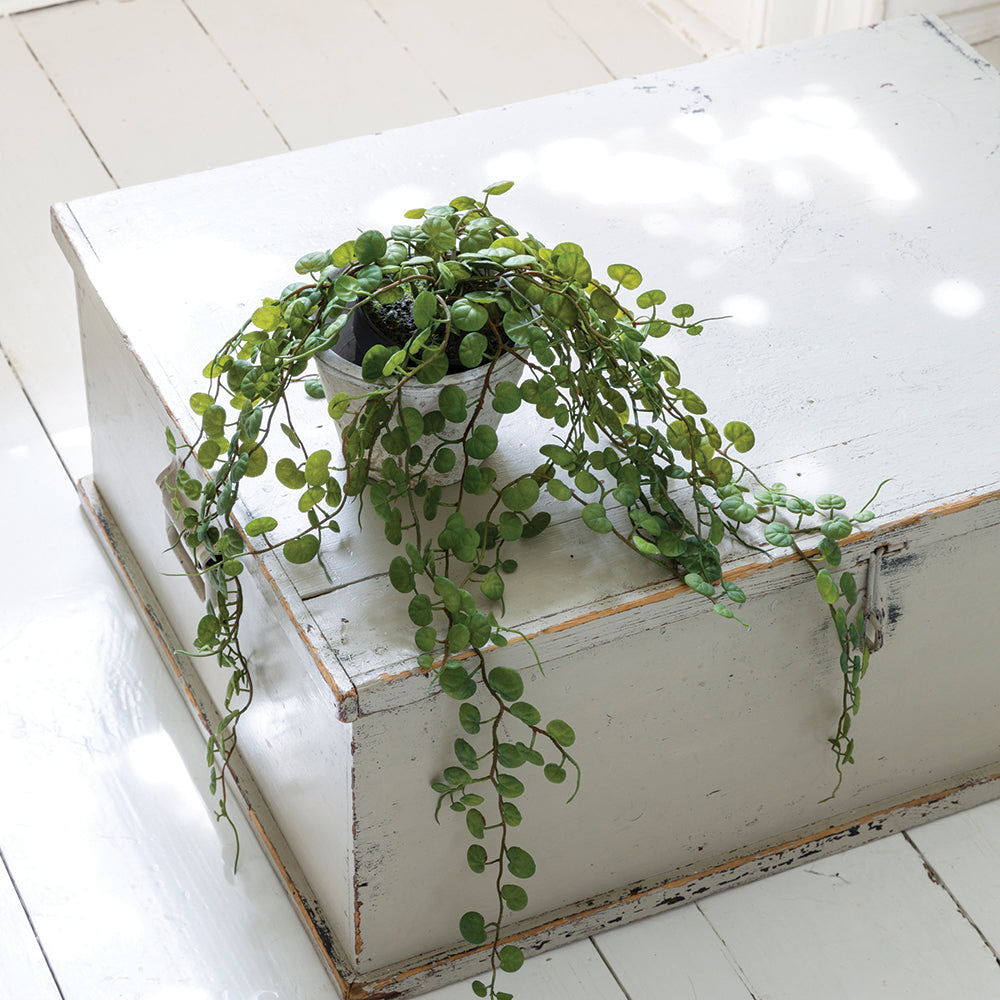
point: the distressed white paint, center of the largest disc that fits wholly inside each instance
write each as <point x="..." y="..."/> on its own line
<point x="782" y="183"/>
<point x="23" y="972"/>
<point x="716" y="27"/>
<point x="897" y="933"/>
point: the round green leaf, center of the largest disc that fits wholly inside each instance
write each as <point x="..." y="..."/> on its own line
<point x="520" y="495"/>
<point x="506" y="397"/>
<point x="740" y="434"/>
<point x="482" y="442"/>
<point x="472" y="348"/>
<point x="849" y="587"/>
<point x="508" y="786"/>
<point x="456" y="683"/>
<point x="779" y="534"/>
<point x="626" y="275"/>
<point x="420" y="610"/>
<point x="472" y="927"/>
<point x="561" y="732"/>
<point x="468" y="316"/>
<point x="520" y="863"/>
<point x="475" y="856"/>
<point x="492" y="586"/>
<point x="401" y="574"/>
<point x="370" y="246"/>
<point x="453" y="403"/>
<point x="527" y="713"/>
<point x="506" y="683"/>
<point x="260" y="525"/>
<point x="511" y="958"/>
<point x="555" y="773"/>
<point x="469" y="717"/>
<point x="301" y="550"/>
<point x="515" y="897"/>
<point x="338" y="405"/>
<point x="827" y="587"/>
<point x="595" y="517"/>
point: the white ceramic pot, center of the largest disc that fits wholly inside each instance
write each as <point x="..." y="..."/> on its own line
<point x="338" y="374"/>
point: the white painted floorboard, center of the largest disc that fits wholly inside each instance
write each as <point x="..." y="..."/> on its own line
<point x="105" y="825"/>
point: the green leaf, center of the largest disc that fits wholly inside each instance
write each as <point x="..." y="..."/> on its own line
<point x="506" y="397"/>
<point x="472" y="927"/>
<point x="213" y="421"/>
<point x="452" y="403"/>
<point x="526" y="712"/>
<point x="266" y="318"/>
<point x="603" y="304"/>
<point x="469" y="717"/>
<point x="510" y="958"/>
<point x="338" y="405"/>
<point x="508" y="786"/>
<point x="472" y="348"/>
<point x="200" y="402"/>
<point x="370" y="246"/>
<point x="738" y="509"/>
<point x="492" y="586"/>
<point x="828" y="589"/>
<point x="779" y="534"/>
<point x="289" y="474"/>
<point x="836" y="528"/>
<point x="561" y="732"/>
<point x="595" y="517"/>
<point x="475" y="856"/>
<point x="849" y="587"/>
<point x="699" y="584"/>
<point x="515" y="897"/>
<point x="626" y="275"/>
<point x="301" y="550"/>
<point x="475" y="822"/>
<point x="555" y="773"/>
<point x="425" y="638"/>
<point x="739" y="434"/>
<point x="573" y="265"/>
<point x="507" y="683"/>
<point x="317" y="468"/>
<point x="831" y="501"/>
<point x="413" y="422"/>
<point x="830" y="551"/>
<point x="260" y="525"/>
<point x="468" y="316"/>
<point x="482" y="442"/>
<point x="511" y="814"/>
<point x="401" y="574"/>
<point x="456" y="683"/>
<point x="520" y="863"/>
<point x="520" y="495"/>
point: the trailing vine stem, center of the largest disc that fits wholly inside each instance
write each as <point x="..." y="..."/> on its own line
<point x="630" y="447"/>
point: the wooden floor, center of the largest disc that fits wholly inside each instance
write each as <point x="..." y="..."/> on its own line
<point x="115" y="881"/>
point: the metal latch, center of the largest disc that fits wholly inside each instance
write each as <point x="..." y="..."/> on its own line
<point x="875" y="606"/>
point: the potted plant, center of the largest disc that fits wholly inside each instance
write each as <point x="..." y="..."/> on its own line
<point x="473" y="319"/>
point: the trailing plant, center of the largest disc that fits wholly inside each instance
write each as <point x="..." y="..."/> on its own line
<point x="629" y="446"/>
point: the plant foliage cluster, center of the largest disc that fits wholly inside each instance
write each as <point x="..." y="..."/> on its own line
<point x="631" y="448"/>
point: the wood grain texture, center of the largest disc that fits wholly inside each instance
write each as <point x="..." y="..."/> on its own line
<point x="358" y="76"/>
<point x="23" y="971"/>
<point x="154" y="95"/>
<point x="575" y="972"/>
<point x="104" y="823"/>
<point x="964" y="852"/>
<point x="676" y="955"/>
<point x="869" y="923"/>
<point x="481" y="60"/>
<point x="45" y="157"/>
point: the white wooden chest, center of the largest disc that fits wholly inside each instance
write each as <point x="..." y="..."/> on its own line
<point x="837" y="198"/>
